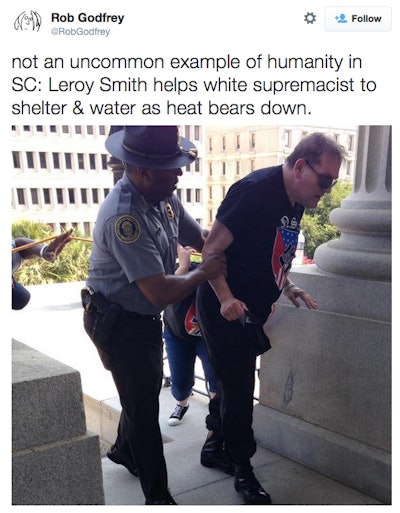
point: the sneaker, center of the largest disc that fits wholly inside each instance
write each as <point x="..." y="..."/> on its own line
<point x="177" y="415"/>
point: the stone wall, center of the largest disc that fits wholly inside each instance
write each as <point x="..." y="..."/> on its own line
<point x="55" y="461"/>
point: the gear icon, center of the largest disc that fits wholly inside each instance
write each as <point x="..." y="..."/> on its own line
<point x="310" y="17"/>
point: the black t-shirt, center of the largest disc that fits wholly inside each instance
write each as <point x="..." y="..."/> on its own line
<point x="265" y="227"/>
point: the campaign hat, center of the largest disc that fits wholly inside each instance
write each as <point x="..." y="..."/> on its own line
<point x="154" y="147"/>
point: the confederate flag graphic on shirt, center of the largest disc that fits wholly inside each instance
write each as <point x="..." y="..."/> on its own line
<point x="284" y="250"/>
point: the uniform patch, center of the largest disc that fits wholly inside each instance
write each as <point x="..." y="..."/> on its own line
<point x="127" y="229"/>
<point x="170" y="212"/>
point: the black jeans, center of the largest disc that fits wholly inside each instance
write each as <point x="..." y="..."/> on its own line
<point x="230" y="348"/>
<point x="134" y="357"/>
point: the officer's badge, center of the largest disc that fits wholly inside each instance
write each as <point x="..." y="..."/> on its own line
<point x="170" y="212"/>
<point x="127" y="229"/>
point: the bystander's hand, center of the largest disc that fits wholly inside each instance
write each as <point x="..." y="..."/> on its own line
<point x="55" y="247"/>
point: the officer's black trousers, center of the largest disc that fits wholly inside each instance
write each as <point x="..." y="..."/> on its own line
<point x="230" y="352"/>
<point x="135" y="361"/>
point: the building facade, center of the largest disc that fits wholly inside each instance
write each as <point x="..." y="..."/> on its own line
<point x="60" y="173"/>
<point x="232" y="152"/>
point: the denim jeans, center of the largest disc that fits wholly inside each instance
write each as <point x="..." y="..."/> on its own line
<point x="181" y="358"/>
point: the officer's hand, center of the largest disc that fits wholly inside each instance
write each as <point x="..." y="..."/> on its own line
<point x="214" y="265"/>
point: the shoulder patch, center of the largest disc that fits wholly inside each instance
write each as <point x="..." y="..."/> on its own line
<point x="127" y="229"/>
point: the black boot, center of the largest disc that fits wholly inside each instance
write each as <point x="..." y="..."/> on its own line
<point x="121" y="459"/>
<point x="214" y="455"/>
<point x="248" y="487"/>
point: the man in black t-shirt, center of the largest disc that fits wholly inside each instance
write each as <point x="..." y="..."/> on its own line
<point x="257" y="225"/>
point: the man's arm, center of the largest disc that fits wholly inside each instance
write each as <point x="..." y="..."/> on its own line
<point x="220" y="238"/>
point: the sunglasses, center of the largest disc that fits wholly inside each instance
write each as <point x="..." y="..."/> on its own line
<point x="324" y="181"/>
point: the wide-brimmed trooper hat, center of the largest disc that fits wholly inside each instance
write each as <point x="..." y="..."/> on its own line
<point x="154" y="147"/>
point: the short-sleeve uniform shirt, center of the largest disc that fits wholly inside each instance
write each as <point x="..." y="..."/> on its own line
<point x="265" y="227"/>
<point x="135" y="240"/>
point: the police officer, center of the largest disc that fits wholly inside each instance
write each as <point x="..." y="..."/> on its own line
<point x="131" y="280"/>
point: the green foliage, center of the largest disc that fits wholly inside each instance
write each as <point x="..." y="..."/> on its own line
<point x="315" y="224"/>
<point x="72" y="263"/>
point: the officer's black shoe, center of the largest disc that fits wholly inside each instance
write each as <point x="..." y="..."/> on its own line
<point x="116" y="457"/>
<point x="167" y="501"/>
<point x="248" y="487"/>
<point x="214" y="455"/>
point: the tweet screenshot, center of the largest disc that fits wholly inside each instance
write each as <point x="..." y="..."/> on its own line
<point x="201" y="222"/>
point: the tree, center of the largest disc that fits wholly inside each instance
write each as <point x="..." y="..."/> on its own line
<point x="71" y="265"/>
<point x="315" y="224"/>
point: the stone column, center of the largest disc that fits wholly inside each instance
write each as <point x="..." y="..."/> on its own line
<point x="325" y="386"/>
<point x="364" y="218"/>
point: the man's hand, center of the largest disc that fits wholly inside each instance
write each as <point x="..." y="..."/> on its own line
<point x="233" y="309"/>
<point x="293" y="292"/>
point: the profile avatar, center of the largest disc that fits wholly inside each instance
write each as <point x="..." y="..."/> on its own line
<point x="28" y="20"/>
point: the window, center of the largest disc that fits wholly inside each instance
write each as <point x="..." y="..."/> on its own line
<point x="16" y="159"/>
<point x="60" y="198"/>
<point x="104" y="160"/>
<point x="21" y="196"/>
<point x="27" y="128"/>
<point x="81" y="161"/>
<point x="46" y="196"/>
<point x="252" y="140"/>
<point x="102" y="130"/>
<point x="71" y="196"/>
<point x="187" y="132"/>
<point x="224" y="143"/>
<point x="92" y="161"/>
<point x="210" y="146"/>
<point x="95" y="195"/>
<point x="287" y="139"/>
<point x="84" y="196"/>
<point x="29" y="159"/>
<point x="43" y="160"/>
<point x="89" y="129"/>
<point x="86" y="228"/>
<point x="350" y="143"/>
<point x="197" y="193"/>
<point x="78" y="129"/>
<point x="196" y="133"/>
<point x="179" y="194"/>
<point x="238" y="167"/>
<point x="210" y="169"/>
<point x="210" y="192"/>
<point x="39" y="128"/>
<point x="68" y="160"/>
<point x="238" y="142"/>
<point x="223" y="168"/>
<point x="188" y="195"/>
<point x="53" y="129"/>
<point x="56" y="160"/>
<point x="106" y="192"/>
<point x="34" y="197"/>
<point x="65" y="129"/>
